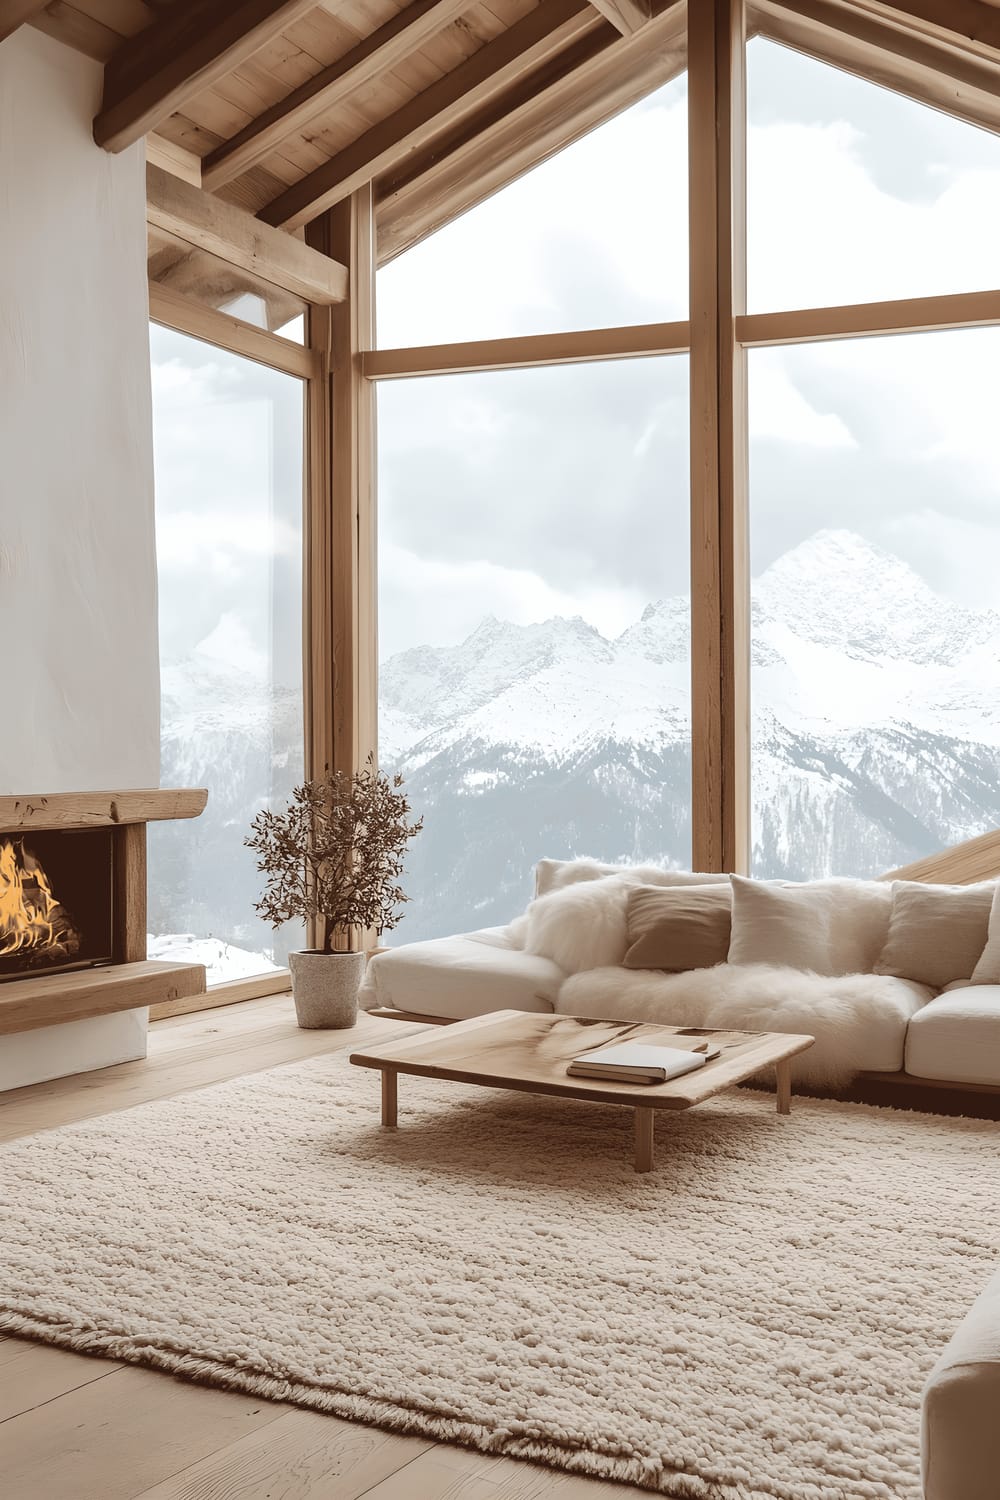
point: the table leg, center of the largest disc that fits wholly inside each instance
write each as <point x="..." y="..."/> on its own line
<point x="783" y="1077"/>
<point x="644" y="1139"/>
<point x="388" y="1096"/>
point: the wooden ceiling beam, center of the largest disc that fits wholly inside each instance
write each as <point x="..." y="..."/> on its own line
<point x="543" y="31"/>
<point x="626" y="16"/>
<point x="192" y="47"/>
<point x="970" y="24"/>
<point x="958" y="83"/>
<point x="173" y="158"/>
<point x="390" y="45"/>
<point x="15" y="13"/>
<point x="546" y="111"/>
<point x="237" y="237"/>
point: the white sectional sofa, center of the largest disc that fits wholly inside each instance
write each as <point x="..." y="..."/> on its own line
<point x="808" y="958"/>
<point x="960" y="1433"/>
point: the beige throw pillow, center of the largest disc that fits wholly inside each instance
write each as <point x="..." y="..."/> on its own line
<point x="786" y="925"/>
<point x="678" y="927"/>
<point x="937" y="933"/>
<point x="987" y="970"/>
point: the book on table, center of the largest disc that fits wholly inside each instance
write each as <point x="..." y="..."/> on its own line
<point x="637" y="1062"/>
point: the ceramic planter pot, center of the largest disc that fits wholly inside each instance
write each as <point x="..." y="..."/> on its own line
<point x="325" y="988"/>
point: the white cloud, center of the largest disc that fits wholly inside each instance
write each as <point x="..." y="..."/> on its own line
<point x="432" y="601"/>
<point x="779" y="410"/>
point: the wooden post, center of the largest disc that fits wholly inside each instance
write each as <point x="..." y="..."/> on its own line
<point x="341" y="683"/>
<point x="129" y="894"/>
<point x="719" y="557"/>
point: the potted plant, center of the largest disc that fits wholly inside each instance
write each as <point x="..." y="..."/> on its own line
<point x="333" y="858"/>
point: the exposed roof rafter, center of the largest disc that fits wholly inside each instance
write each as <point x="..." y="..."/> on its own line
<point x="543" y="113"/>
<point x="626" y="16"/>
<point x="484" y="75"/>
<point x="969" y="23"/>
<point x="403" y="35"/>
<point x="15" y="13"/>
<point x="960" y="83"/>
<point x="193" y="46"/>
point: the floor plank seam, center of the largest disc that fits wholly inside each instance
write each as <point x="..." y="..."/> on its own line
<point x="91" y="1380"/>
<point x="397" y="1472"/>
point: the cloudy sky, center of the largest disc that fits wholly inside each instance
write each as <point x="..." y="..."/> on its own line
<point x="526" y="494"/>
<point x="564" y="491"/>
<point x="228" y="455"/>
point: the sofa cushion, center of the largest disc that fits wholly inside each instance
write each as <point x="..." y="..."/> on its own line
<point x="937" y="933"/>
<point x="553" y="874"/>
<point x="678" y="927"/>
<point x="461" y="976"/>
<point x="825" y="926"/>
<point x="960" y="1434"/>
<point x="859" y="1020"/>
<point x="987" y="970"/>
<point x="957" y="1037"/>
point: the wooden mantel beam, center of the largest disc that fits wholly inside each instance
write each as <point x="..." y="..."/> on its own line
<point x="390" y="45"/>
<point x="99" y="809"/>
<point x="190" y="48"/>
<point x="541" y="33"/>
<point x="237" y="237"/>
<point x="15" y="13"/>
<point x="626" y="16"/>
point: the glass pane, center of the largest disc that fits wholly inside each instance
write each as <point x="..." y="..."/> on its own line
<point x="594" y="237"/>
<point x="857" y="194"/>
<point x="875" y="533"/>
<point x="228" y="452"/>
<point x="534" y="686"/>
<point x="203" y="277"/>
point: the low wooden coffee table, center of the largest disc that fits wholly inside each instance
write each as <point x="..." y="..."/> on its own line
<point x="515" y="1049"/>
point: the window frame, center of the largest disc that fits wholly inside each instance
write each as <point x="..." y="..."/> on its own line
<point x="717" y="335"/>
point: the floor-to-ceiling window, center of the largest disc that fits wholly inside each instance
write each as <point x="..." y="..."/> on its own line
<point x="874" y="481"/>
<point x="228" y="443"/>
<point x="534" y="632"/>
<point x="534" y="625"/>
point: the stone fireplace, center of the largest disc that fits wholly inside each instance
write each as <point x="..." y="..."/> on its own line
<point x="73" y="907"/>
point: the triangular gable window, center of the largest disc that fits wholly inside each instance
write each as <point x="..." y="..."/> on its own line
<point x="857" y="194"/>
<point x="594" y="237"/>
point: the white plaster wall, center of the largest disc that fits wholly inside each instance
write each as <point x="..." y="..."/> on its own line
<point x="79" y="705"/>
<point x="79" y="708"/>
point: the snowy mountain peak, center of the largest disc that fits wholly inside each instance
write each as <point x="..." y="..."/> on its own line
<point x="847" y="564"/>
<point x="841" y="591"/>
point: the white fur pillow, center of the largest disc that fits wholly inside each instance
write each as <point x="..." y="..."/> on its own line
<point x="826" y="926"/>
<point x="555" y="874"/>
<point x="582" y="926"/>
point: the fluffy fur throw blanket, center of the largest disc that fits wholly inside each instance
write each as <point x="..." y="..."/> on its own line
<point x="851" y="1016"/>
<point x="858" y="1018"/>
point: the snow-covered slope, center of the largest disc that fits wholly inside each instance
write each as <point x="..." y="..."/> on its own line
<point x="876" y="734"/>
<point x="876" y="739"/>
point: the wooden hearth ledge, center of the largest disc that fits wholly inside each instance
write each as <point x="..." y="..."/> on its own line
<point x="131" y="981"/>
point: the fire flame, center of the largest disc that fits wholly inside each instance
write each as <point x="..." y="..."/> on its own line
<point x="33" y="924"/>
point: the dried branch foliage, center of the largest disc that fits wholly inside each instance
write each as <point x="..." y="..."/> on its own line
<point x="336" y="853"/>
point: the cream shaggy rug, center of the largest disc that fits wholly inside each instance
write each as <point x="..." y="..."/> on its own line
<point x="754" y="1319"/>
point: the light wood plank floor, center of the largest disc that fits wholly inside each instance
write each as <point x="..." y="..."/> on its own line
<point x="76" y="1428"/>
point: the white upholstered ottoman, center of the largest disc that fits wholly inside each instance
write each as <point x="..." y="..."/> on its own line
<point x="960" y="1436"/>
<point x="957" y="1038"/>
